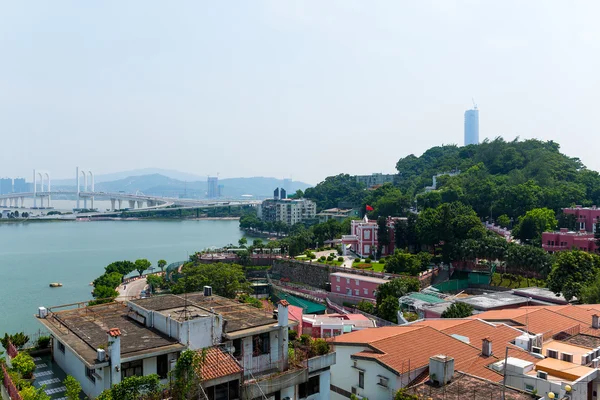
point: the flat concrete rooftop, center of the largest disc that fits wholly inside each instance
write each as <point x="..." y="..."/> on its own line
<point x="491" y="301"/>
<point x="239" y="316"/>
<point x="541" y="294"/>
<point x="85" y="329"/>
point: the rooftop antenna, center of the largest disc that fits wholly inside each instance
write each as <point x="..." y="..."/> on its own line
<point x="474" y="104"/>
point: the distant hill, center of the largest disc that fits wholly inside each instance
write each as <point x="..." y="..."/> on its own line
<point x="170" y="173"/>
<point x="161" y="185"/>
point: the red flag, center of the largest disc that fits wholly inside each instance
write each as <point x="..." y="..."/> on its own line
<point x="369" y="208"/>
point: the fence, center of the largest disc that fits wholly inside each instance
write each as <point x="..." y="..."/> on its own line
<point x="9" y="385"/>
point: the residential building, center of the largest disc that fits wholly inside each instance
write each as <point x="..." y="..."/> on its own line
<point x="569" y="240"/>
<point x="6" y="185"/>
<point x="147" y="335"/>
<point x="355" y="285"/>
<point x="376" y="179"/>
<point x="331" y="325"/>
<point x="472" y="126"/>
<point x="363" y="237"/>
<point x="212" y="183"/>
<point x="288" y="211"/>
<point x="586" y="217"/>
<point x="338" y="214"/>
<point x="20" y="186"/>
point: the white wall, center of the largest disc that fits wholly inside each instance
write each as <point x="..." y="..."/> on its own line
<point x="73" y="366"/>
<point x="149" y="365"/>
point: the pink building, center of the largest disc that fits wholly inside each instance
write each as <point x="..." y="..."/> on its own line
<point x="355" y="285"/>
<point x="363" y="237"/>
<point x="568" y="240"/>
<point x="586" y="217"/>
<point x="330" y="325"/>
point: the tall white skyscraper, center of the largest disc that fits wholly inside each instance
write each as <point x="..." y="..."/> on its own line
<point x="472" y="126"/>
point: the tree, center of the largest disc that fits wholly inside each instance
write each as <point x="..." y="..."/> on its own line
<point x="227" y="280"/>
<point x="162" y="264"/>
<point x="590" y="293"/>
<point x="383" y="235"/>
<point x="31" y="393"/>
<point x="531" y="226"/>
<point x="103" y="294"/>
<point x="458" y="310"/>
<point x="503" y="221"/>
<point x="597" y="236"/>
<point x="366" y="306"/>
<point x="156" y="281"/>
<point x="142" y="265"/>
<point x="401" y="262"/>
<point x="122" y="267"/>
<point x="243" y="241"/>
<point x="73" y="388"/>
<point x="571" y="271"/>
<point x="111" y="280"/>
<point x="134" y="388"/>
<point x="388" y="309"/>
<point x="397" y="288"/>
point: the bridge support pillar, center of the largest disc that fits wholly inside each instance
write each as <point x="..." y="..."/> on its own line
<point x="140" y="203"/>
<point x="120" y="204"/>
<point x="23" y="202"/>
<point x="132" y="204"/>
<point x="112" y="204"/>
<point x="91" y="199"/>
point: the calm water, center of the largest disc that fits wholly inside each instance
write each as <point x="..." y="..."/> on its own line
<point x="34" y="254"/>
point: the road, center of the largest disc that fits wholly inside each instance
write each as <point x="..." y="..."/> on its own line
<point x="131" y="289"/>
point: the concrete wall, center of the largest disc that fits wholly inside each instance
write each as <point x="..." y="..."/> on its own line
<point x="356" y="286"/>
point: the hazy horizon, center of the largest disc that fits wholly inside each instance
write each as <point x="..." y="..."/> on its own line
<point x="287" y="89"/>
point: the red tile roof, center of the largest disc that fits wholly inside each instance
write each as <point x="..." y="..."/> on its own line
<point x="295" y="313"/>
<point x="114" y="332"/>
<point x="218" y="364"/>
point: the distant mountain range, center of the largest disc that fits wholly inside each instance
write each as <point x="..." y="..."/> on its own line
<point x="170" y="173"/>
<point x="158" y="184"/>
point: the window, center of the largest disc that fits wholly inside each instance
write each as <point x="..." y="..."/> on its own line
<point x="529" y="388"/>
<point x="361" y="379"/>
<point x="162" y="366"/>
<point x="367" y="234"/>
<point x="347" y="281"/>
<point x="366" y="291"/>
<point x="133" y="368"/>
<point x="61" y="347"/>
<point x="337" y="288"/>
<point x="261" y="344"/>
<point x="309" y="388"/>
<point x="90" y="374"/>
<point x="337" y="278"/>
<point x="356" y="292"/>
<point x="349" y="292"/>
<point x="357" y="282"/>
<point x="237" y="348"/>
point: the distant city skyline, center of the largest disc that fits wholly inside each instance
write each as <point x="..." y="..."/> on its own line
<point x="270" y="88"/>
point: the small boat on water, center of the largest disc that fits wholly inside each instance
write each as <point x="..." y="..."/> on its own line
<point x="56" y="284"/>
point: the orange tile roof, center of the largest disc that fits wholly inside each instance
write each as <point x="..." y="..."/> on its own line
<point x="218" y="364"/>
<point x="372" y="335"/>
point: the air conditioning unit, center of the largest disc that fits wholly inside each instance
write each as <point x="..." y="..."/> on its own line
<point x="542" y="375"/>
<point x="536" y="350"/>
<point x="42" y="312"/>
<point x="568" y="357"/>
<point x="207" y="291"/>
<point x="552" y="353"/>
<point x="101" y="355"/>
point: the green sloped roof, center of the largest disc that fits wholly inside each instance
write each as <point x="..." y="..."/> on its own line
<point x="428" y="298"/>
<point x="309" y="307"/>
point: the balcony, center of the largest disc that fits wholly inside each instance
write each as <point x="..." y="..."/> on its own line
<point x="321" y="362"/>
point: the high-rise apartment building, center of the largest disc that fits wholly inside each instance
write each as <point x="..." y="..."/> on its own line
<point x="20" y="186"/>
<point x="375" y="179"/>
<point x="213" y="187"/>
<point x="288" y="211"/>
<point x="6" y="185"/>
<point x="472" y="126"/>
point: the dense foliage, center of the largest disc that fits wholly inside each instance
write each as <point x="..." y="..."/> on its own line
<point x="134" y="388"/>
<point x="336" y="191"/>
<point x="571" y="271"/>
<point x="227" y="280"/>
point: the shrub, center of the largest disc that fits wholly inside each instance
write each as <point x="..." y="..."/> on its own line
<point x="410" y="316"/>
<point x="318" y="347"/>
<point x="368" y="261"/>
<point x="382" y="261"/>
<point x="332" y="254"/>
<point x="341" y="259"/>
<point x="322" y="258"/>
<point x="292" y="335"/>
<point x="330" y="258"/>
<point x="305" y="339"/>
<point x="31" y="393"/>
<point x="73" y="388"/>
<point x="23" y="363"/>
<point x="43" y="342"/>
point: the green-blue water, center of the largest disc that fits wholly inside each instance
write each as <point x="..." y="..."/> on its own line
<point x="34" y="254"/>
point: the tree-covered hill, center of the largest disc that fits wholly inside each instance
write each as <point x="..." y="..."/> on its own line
<point x="499" y="177"/>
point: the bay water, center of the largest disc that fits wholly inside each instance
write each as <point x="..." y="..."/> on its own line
<point x="34" y="254"/>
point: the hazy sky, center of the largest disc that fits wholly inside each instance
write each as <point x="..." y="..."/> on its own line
<point x="287" y="88"/>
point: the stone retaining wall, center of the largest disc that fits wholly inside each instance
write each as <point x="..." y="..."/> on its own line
<point x="301" y="272"/>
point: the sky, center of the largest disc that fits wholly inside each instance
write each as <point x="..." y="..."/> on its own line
<point x="301" y="89"/>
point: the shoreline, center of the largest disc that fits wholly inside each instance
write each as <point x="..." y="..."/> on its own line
<point x="101" y="219"/>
